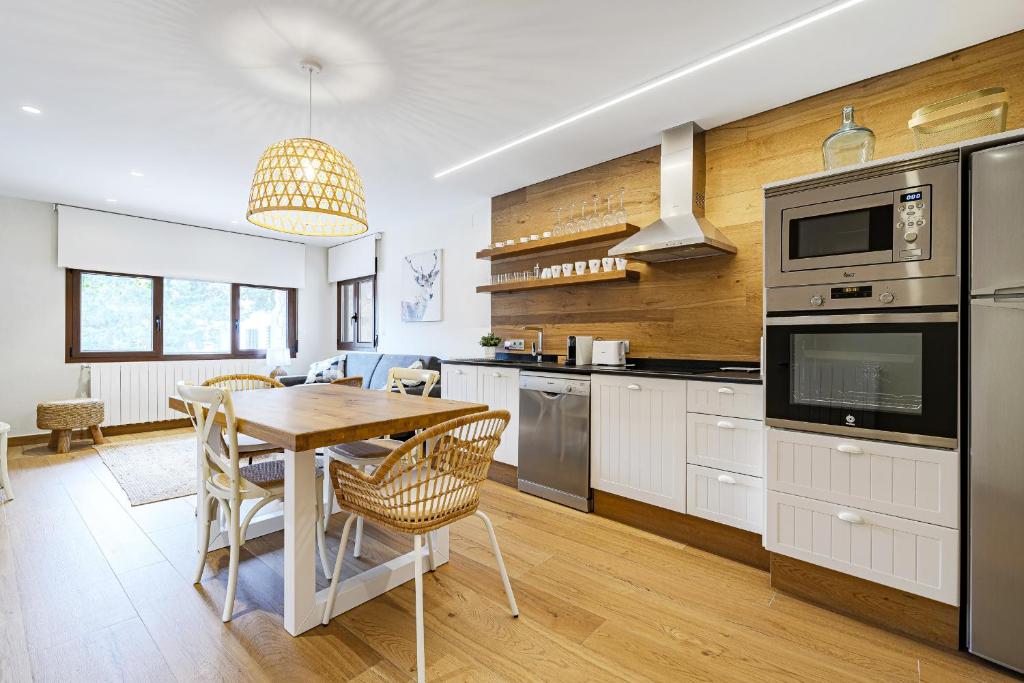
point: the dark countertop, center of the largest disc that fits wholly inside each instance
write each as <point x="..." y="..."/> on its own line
<point x="702" y="370"/>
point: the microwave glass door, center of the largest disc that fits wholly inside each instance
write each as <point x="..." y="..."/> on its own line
<point x="837" y="234"/>
<point x="887" y="376"/>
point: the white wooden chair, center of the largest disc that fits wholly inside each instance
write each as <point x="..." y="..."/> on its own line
<point x="365" y="455"/>
<point x="248" y="447"/>
<point x="5" y="477"/>
<point x="227" y="484"/>
<point x="424" y="484"/>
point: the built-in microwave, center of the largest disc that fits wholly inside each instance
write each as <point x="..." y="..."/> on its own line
<point x="888" y="222"/>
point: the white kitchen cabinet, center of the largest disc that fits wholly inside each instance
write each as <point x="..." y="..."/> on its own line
<point x="458" y="383"/>
<point x="725" y="398"/>
<point x="726" y="443"/>
<point x="917" y="483"/>
<point x="919" y="558"/>
<point x="638" y="439"/>
<point x="725" y="497"/>
<point x="498" y="387"/>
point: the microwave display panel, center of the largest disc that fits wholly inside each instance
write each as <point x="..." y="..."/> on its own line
<point x="847" y="232"/>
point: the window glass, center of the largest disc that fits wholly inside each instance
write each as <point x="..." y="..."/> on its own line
<point x="116" y="313"/>
<point x="365" y="323"/>
<point x="197" y="317"/>
<point x="262" y="318"/>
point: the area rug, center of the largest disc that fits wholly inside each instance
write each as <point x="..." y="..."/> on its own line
<point x="153" y="469"/>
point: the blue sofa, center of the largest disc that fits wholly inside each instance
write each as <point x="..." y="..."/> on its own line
<point x="373" y="368"/>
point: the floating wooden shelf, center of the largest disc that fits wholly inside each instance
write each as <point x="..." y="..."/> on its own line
<point x="611" y="232"/>
<point x="611" y="276"/>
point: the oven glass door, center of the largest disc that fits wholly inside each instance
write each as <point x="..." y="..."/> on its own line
<point x="837" y="234"/>
<point x="893" y="373"/>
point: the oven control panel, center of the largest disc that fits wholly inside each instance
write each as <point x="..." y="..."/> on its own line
<point x="912" y="233"/>
<point x="895" y="294"/>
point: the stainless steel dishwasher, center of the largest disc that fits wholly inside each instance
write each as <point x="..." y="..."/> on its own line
<point x="554" y="438"/>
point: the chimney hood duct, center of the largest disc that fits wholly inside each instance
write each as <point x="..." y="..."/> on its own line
<point x="682" y="232"/>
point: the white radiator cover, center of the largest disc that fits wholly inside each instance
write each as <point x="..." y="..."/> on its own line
<point x="135" y="393"/>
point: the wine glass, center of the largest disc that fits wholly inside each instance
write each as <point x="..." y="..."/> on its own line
<point x="557" y="230"/>
<point x="595" y="219"/>
<point x="620" y="215"/>
<point x="570" y="223"/>
<point x="609" y="215"/>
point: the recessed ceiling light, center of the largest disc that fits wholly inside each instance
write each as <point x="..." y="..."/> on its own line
<point x="29" y="109"/>
<point x="667" y="78"/>
<point x="234" y="222"/>
<point x="137" y="174"/>
<point x="111" y="200"/>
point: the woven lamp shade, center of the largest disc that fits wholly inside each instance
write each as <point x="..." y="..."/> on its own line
<point x="304" y="186"/>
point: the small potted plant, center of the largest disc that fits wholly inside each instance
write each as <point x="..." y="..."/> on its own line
<point x="489" y="342"/>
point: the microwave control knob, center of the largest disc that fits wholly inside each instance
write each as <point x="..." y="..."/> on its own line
<point x="886" y="297"/>
<point x="816" y="300"/>
<point x="910" y="235"/>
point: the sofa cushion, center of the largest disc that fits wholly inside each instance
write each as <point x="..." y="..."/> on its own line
<point x="399" y="360"/>
<point x="326" y="370"/>
<point x="363" y="364"/>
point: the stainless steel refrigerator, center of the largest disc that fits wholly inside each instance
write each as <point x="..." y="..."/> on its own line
<point x="996" y="407"/>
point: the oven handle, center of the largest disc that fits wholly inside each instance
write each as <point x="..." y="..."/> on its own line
<point x="856" y="318"/>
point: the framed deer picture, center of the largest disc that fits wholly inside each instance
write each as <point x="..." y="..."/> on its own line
<point x="421" y="286"/>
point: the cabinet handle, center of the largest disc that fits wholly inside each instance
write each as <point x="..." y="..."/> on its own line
<point x="726" y="479"/>
<point x="725" y="424"/>
<point x="458" y="372"/>
<point x="851" y="517"/>
<point x="725" y="390"/>
<point x="849" y="448"/>
<point x="633" y="387"/>
<point x="496" y="374"/>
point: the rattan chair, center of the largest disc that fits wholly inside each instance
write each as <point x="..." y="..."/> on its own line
<point x="248" y="447"/>
<point x="354" y="381"/>
<point x="424" y="484"/>
<point x="366" y="455"/>
<point x="227" y="484"/>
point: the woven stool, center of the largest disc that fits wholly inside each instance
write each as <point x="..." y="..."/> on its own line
<point x="62" y="416"/>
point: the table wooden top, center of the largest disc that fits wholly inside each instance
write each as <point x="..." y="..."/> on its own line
<point x="312" y="416"/>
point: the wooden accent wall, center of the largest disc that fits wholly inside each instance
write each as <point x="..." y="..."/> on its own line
<point x="711" y="308"/>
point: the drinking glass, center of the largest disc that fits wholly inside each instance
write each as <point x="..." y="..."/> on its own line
<point x="595" y="218"/>
<point x="570" y="223"/>
<point x="620" y="215"/>
<point x="558" y="229"/>
<point x="581" y="222"/>
<point x="609" y="215"/>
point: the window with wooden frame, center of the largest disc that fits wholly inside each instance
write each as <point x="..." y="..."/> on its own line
<point x="122" y="317"/>
<point x="357" y="313"/>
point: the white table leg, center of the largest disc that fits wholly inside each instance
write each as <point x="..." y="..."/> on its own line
<point x="300" y="600"/>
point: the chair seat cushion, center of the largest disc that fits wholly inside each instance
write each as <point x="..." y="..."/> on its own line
<point x="264" y="474"/>
<point x="247" y="444"/>
<point x="366" y="452"/>
<point x="72" y="413"/>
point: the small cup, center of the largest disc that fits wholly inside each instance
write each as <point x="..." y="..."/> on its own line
<point x="546" y="234"/>
<point x="567" y="269"/>
<point x="620" y="264"/>
<point x="534" y="237"/>
<point x="595" y="265"/>
<point x="524" y="240"/>
<point x="607" y="263"/>
<point x="581" y="267"/>
<point x="497" y="245"/>
<point x="556" y="270"/>
<point x="545" y="274"/>
<point x="509" y="243"/>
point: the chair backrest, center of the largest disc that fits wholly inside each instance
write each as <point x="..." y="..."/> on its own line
<point x="243" y="382"/>
<point x="397" y="377"/>
<point x="422" y="493"/>
<point x="219" y="448"/>
<point x="349" y="381"/>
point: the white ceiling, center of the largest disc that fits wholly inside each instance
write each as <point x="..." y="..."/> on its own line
<point x="190" y="92"/>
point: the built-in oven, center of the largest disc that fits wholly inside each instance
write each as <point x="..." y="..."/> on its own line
<point x="890" y="222"/>
<point x="879" y="375"/>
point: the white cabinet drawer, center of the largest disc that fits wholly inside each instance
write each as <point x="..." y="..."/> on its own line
<point x="725" y="497"/>
<point x="728" y="443"/>
<point x="720" y="398"/>
<point x="499" y="389"/>
<point x="919" y="558"/>
<point x="458" y="382"/>
<point x="906" y="481"/>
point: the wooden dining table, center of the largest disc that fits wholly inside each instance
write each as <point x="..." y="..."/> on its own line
<point x="299" y="420"/>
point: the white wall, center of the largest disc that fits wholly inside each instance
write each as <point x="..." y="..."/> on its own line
<point x="32" y="366"/>
<point x="465" y="315"/>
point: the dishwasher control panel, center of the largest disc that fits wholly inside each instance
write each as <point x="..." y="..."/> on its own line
<point x="555" y="383"/>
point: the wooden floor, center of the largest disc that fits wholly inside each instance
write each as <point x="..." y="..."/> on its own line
<point x="93" y="589"/>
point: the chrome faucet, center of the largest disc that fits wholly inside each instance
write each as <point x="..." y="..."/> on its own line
<point x="537" y="348"/>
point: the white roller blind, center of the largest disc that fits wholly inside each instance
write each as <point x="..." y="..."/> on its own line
<point x="354" y="259"/>
<point x="96" y="240"/>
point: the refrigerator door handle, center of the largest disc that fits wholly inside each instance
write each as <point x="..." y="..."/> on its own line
<point x="1015" y="292"/>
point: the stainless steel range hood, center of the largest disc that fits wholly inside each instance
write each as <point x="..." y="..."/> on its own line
<point x="682" y="232"/>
